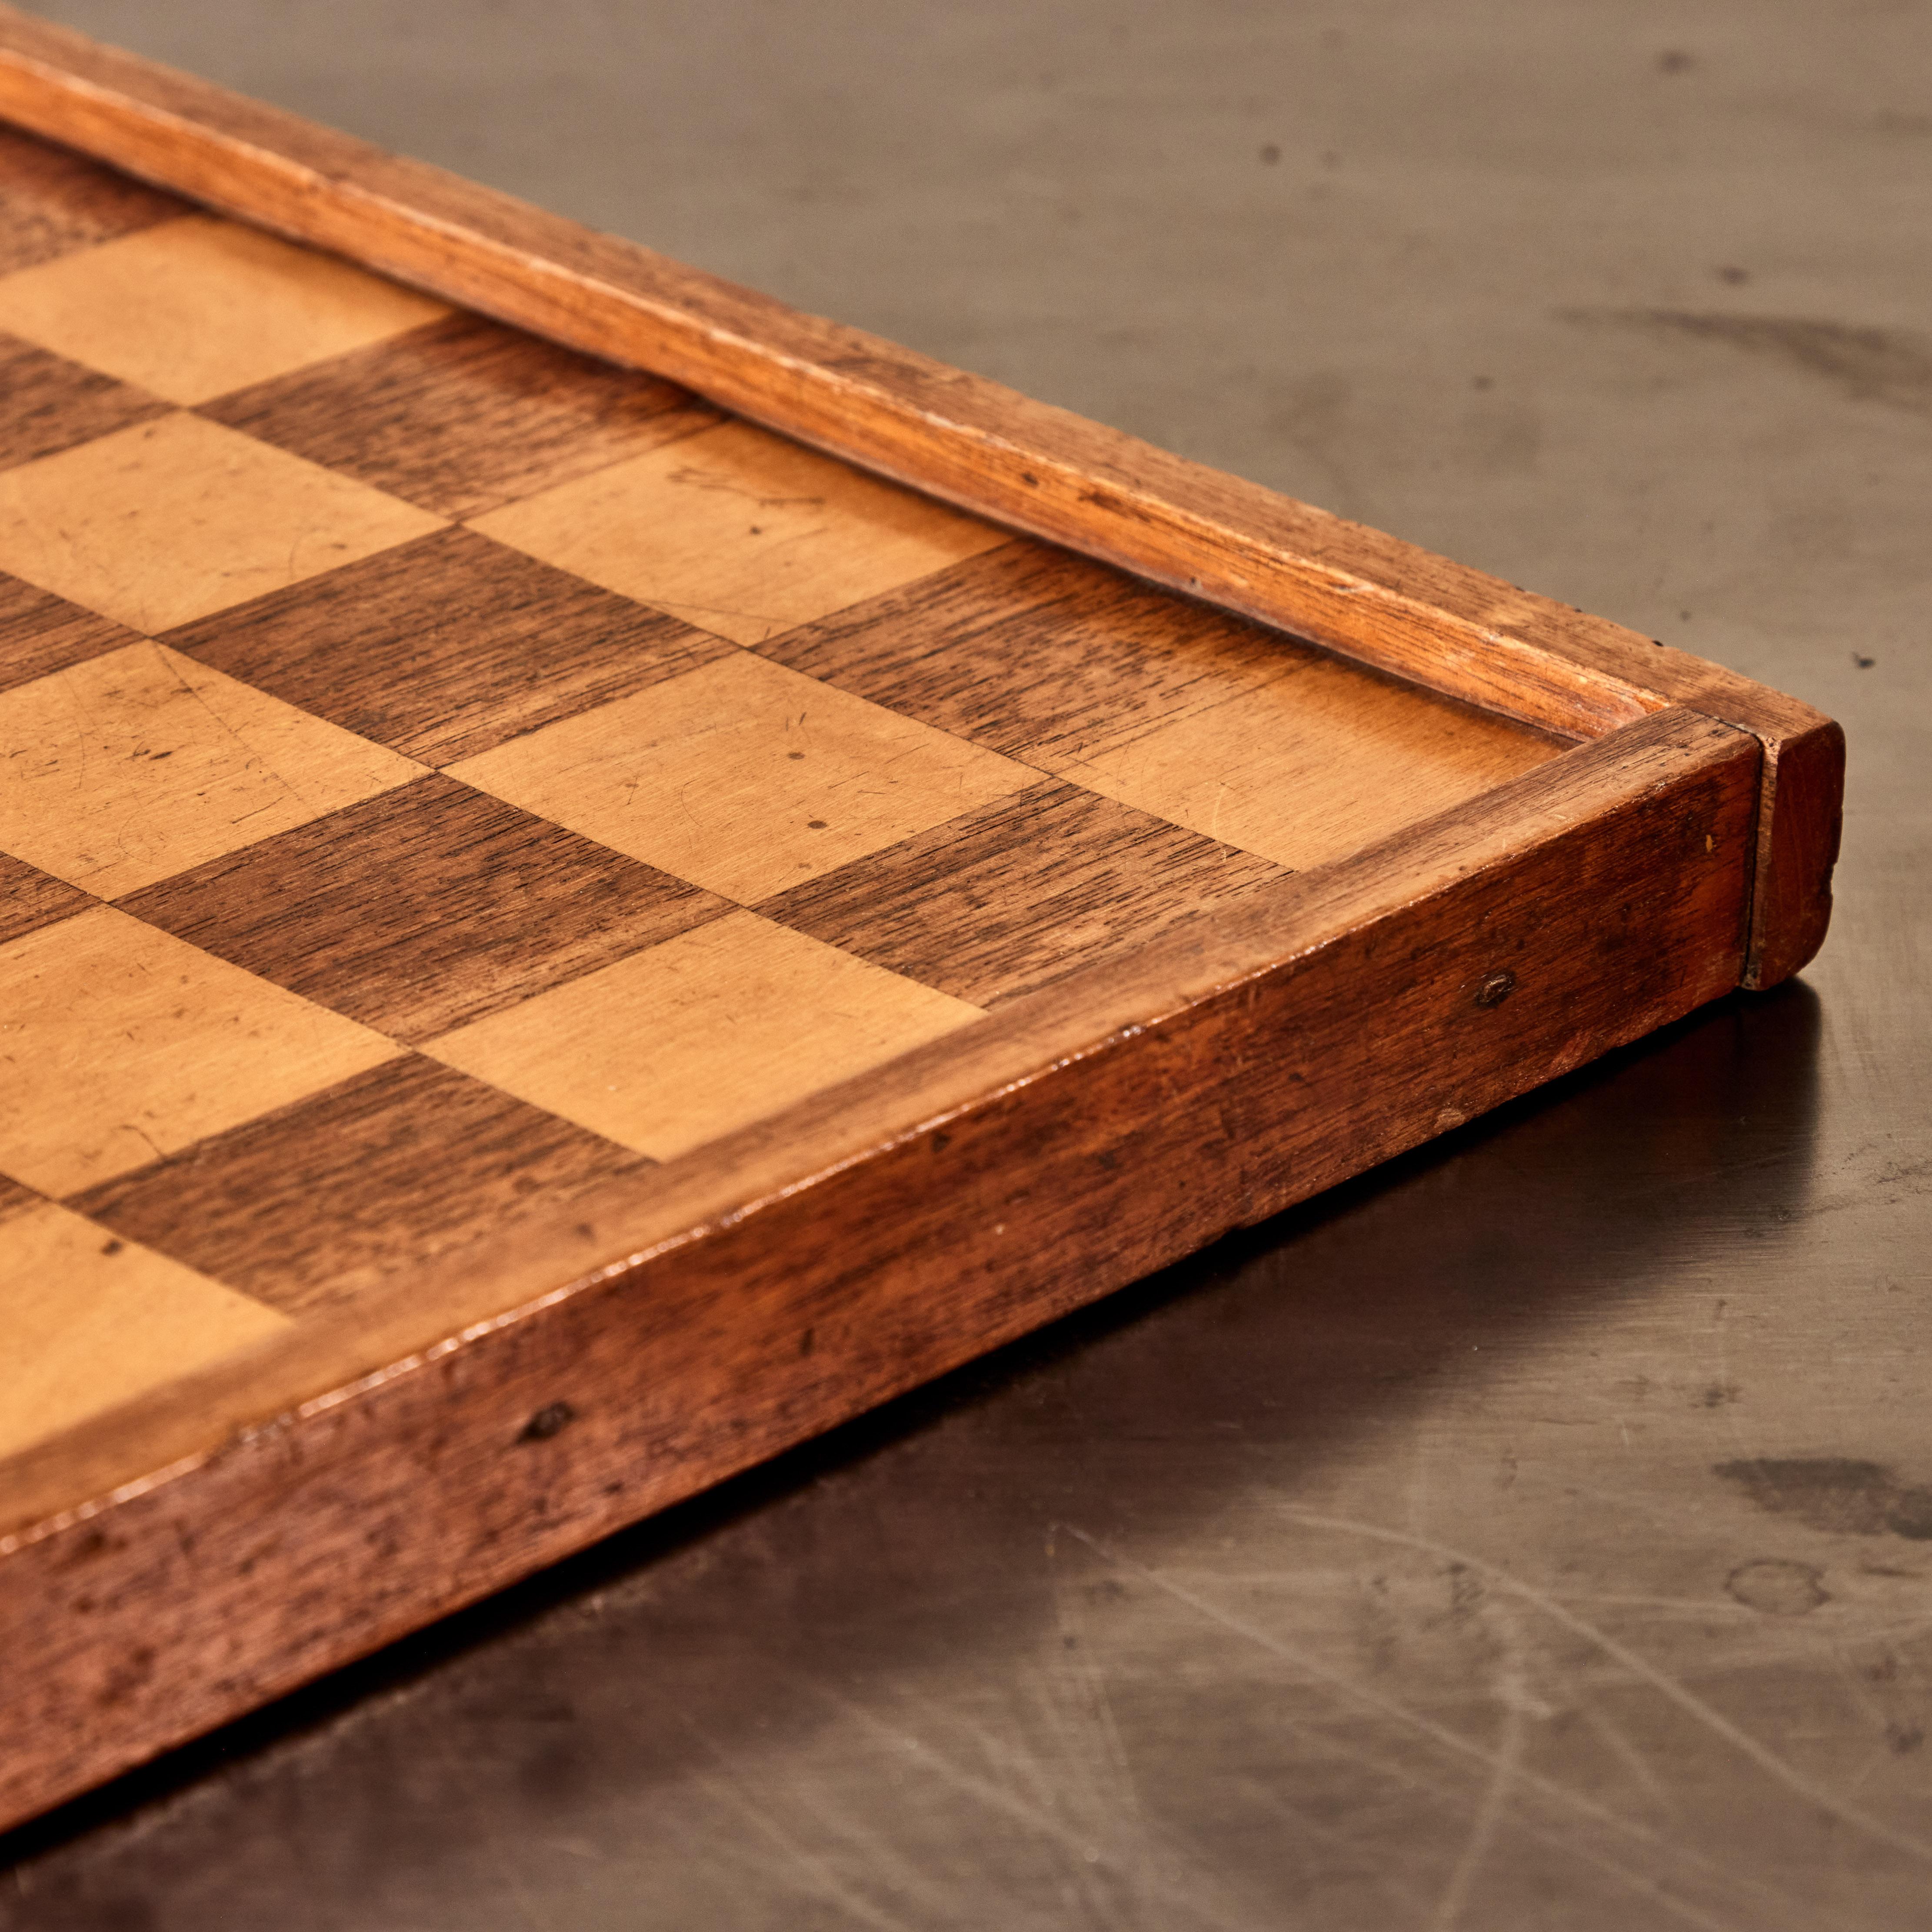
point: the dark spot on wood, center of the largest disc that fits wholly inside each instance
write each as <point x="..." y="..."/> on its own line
<point x="551" y="1420"/>
<point x="808" y="1342"/>
<point x="1270" y="153"/>
<point x="1495" y="988"/>
<point x="112" y="1247"/>
<point x="1863" y="662"/>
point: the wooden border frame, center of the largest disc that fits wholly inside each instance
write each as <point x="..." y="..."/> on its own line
<point x="315" y="1499"/>
<point x="955" y="436"/>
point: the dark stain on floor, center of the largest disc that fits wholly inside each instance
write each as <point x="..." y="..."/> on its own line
<point x="1839" y="1494"/>
<point x="1880" y="365"/>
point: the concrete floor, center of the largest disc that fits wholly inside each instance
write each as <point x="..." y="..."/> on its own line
<point x="1531" y="1535"/>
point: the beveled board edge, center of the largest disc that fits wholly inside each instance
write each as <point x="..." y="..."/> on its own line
<point x="955" y="436"/>
<point x="1412" y="987"/>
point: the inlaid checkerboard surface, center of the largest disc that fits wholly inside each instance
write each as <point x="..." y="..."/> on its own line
<point x="439" y="773"/>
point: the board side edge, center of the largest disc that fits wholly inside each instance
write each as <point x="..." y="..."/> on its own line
<point x="302" y="1546"/>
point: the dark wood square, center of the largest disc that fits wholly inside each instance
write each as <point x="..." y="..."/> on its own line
<point x="310" y="1205"/>
<point x="40" y="633"/>
<point x="57" y="201"/>
<point x="462" y="416"/>
<point x="1005" y="900"/>
<point x="444" y="647"/>
<point x="424" y="908"/>
<point x="1039" y="654"/>
<point x="29" y="899"/>
<point x="52" y="403"/>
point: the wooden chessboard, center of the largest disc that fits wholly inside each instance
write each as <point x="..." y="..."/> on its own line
<point x="554" y="939"/>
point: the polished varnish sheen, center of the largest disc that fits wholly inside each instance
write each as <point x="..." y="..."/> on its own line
<point x="555" y="941"/>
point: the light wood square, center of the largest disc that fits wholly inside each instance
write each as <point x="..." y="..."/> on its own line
<point x="710" y="1031"/>
<point x="119" y="1043"/>
<point x="128" y="768"/>
<point x="743" y="777"/>
<point x="740" y="533"/>
<point x="91" y="1320"/>
<point x="170" y="520"/>
<point x="1312" y="766"/>
<point x="192" y="308"/>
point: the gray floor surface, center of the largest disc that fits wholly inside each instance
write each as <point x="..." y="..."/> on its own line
<point x="1532" y="1535"/>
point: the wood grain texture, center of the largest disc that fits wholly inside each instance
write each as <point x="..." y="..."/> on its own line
<point x="127" y="767"/>
<point x="739" y="532"/>
<point x="744" y="776"/>
<point x="424" y="909"/>
<point x="1606" y="886"/>
<point x="1001" y="901"/>
<point x="170" y="520"/>
<point x="446" y="647"/>
<point x="52" y="403"/>
<point x="762" y="779"/>
<point x="670" y="1048"/>
<point x="954" y="436"/>
<point x="203" y="1045"/>
<point x="91" y="1319"/>
<point x="368" y="1180"/>
<point x="192" y="308"/>
<point x="1040" y="655"/>
<point x="40" y="633"/>
<point x="462" y="416"/>
<point x="57" y="201"/>
<point x="28" y="898"/>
